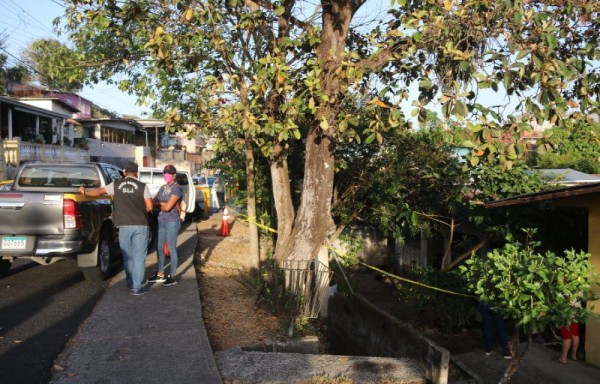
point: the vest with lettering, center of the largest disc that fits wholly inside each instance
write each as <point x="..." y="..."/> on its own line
<point x="128" y="202"/>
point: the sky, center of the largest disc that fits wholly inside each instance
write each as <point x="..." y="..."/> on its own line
<point x="24" y="21"/>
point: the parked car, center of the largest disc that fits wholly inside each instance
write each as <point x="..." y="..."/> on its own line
<point x="210" y="189"/>
<point x="46" y="219"/>
<point x="154" y="178"/>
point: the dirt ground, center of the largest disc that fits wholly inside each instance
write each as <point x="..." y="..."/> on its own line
<point x="227" y="291"/>
<point x="229" y="295"/>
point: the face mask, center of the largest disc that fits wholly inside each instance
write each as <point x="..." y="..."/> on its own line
<point x="168" y="177"/>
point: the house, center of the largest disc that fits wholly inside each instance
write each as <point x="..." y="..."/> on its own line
<point x="36" y="131"/>
<point x="172" y="147"/>
<point x="47" y="125"/>
<point x="586" y="198"/>
<point x="111" y="140"/>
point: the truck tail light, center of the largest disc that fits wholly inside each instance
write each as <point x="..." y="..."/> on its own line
<point x="71" y="214"/>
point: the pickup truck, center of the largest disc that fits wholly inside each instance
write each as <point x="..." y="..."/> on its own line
<point x="153" y="177"/>
<point x="46" y="219"/>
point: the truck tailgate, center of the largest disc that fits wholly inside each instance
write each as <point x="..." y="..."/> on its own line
<point x="31" y="213"/>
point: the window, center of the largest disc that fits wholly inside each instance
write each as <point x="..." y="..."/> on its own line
<point x="58" y="176"/>
<point x="112" y="173"/>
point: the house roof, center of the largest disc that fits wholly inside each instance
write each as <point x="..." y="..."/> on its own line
<point x="27" y="108"/>
<point x="124" y="124"/>
<point x="56" y="100"/>
<point x="570" y="176"/>
<point x="578" y="190"/>
<point x="151" y="123"/>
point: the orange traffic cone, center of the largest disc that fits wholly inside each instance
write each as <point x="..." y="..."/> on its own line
<point x="224" y="231"/>
<point x="166" y="249"/>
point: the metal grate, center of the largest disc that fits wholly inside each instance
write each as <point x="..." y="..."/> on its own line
<point x="296" y="288"/>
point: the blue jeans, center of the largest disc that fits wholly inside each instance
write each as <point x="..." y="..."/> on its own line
<point x="133" y="241"/>
<point x="490" y="319"/>
<point x="167" y="231"/>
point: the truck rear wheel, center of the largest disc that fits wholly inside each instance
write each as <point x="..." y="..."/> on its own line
<point x="5" y="265"/>
<point x="102" y="270"/>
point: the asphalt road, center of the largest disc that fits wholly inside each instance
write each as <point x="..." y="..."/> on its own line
<point x="41" y="308"/>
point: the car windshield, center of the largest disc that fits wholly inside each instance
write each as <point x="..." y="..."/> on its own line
<point x="202" y="180"/>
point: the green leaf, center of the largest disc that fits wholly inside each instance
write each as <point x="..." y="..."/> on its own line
<point x="523" y="54"/>
<point x="460" y="108"/>
<point x="279" y="11"/>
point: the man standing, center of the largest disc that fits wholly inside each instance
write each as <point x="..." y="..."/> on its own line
<point x="132" y="203"/>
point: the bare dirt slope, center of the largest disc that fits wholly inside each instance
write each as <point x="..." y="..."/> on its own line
<point x="228" y="293"/>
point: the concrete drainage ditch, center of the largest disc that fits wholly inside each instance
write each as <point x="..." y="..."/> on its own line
<point x="374" y="347"/>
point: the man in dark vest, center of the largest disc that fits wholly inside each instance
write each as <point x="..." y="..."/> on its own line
<point x="132" y="203"/>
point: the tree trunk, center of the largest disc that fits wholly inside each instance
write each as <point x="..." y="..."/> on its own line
<point x="251" y="204"/>
<point x="313" y="222"/>
<point x="282" y="197"/>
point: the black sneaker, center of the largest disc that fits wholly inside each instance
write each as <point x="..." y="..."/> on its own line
<point x="157" y="279"/>
<point x="507" y="356"/>
<point x="169" y="281"/>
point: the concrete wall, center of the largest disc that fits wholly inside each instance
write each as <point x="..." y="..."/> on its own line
<point x="357" y="327"/>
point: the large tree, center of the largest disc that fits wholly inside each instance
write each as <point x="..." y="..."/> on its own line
<point x="54" y="65"/>
<point x="10" y="76"/>
<point x="262" y="68"/>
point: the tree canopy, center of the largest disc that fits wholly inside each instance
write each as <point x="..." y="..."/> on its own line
<point x="575" y="146"/>
<point x="282" y="73"/>
<point x="55" y="65"/>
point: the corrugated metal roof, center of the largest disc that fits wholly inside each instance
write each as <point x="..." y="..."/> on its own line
<point x="578" y="190"/>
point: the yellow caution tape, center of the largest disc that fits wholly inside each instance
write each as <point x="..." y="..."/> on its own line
<point x="249" y="220"/>
<point x="415" y="282"/>
<point x="252" y="220"/>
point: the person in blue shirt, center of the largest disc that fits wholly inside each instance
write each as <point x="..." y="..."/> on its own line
<point x="166" y="201"/>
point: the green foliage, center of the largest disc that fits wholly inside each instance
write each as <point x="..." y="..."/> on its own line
<point x="491" y="182"/>
<point x="270" y="74"/>
<point x="10" y="75"/>
<point x="352" y="246"/>
<point x="55" y="65"/>
<point x="576" y="147"/>
<point x="452" y="312"/>
<point x="406" y="184"/>
<point x="536" y="290"/>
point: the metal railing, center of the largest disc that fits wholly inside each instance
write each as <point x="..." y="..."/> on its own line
<point x="295" y="288"/>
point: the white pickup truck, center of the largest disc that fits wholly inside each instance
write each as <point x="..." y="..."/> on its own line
<point x="153" y="177"/>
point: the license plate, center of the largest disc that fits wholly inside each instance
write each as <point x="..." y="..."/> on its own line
<point x="15" y="242"/>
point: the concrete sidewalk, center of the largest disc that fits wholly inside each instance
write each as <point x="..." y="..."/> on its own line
<point x="158" y="337"/>
<point x="540" y="365"/>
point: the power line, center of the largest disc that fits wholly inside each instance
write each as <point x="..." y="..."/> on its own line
<point x="31" y="16"/>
